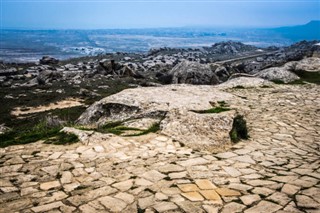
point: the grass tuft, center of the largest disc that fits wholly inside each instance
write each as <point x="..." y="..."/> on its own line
<point x="213" y="110"/>
<point x="62" y="138"/>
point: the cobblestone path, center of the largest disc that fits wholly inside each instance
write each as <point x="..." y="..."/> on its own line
<point x="276" y="170"/>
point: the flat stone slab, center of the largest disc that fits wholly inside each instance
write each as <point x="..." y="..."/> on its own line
<point x="193" y="196"/>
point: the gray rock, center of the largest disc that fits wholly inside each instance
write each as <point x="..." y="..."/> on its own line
<point x="278" y="74"/>
<point x="48" y="60"/>
<point x="193" y="73"/>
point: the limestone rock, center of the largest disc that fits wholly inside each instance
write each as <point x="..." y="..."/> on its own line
<point x="278" y="74"/>
<point x="193" y="73"/>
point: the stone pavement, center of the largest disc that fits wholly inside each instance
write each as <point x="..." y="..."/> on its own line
<point x="276" y="170"/>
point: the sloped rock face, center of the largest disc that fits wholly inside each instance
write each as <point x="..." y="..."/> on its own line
<point x="278" y="74"/>
<point x="291" y="70"/>
<point x="244" y="82"/>
<point x="311" y="64"/>
<point x="174" y="107"/>
<point x="193" y="73"/>
<point x="199" y="131"/>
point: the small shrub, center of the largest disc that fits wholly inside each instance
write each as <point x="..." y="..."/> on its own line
<point x="213" y="110"/>
<point x="239" y="87"/>
<point x="154" y="128"/>
<point x="62" y="138"/>
<point x="276" y="81"/>
<point x="239" y="129"/>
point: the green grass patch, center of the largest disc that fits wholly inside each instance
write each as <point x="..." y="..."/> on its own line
<point x="239" y="87"/>
<point x="277" y="81"/>
<point x="311" y="77"/>
<point x="213" y="110"/>
<point x="239" y="129"/>
<point x="25" y="137"/>
<point x="152" y="129"/>
<point x="62" y="138"/>
<point x="222" y="103"/>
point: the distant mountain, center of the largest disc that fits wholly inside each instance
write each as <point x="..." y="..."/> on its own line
<point x="309" y="31"/>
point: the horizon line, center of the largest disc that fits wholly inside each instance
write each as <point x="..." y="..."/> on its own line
<point x="160" y="27"/>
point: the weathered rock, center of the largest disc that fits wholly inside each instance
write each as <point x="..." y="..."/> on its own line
<point x="278" y="74"/>
<point x="193" y="73"/>
<point x="311" y="64"/>
<point x="176" y="106"/>
<point x="47" y="60"/>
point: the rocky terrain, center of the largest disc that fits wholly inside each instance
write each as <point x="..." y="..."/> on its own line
<point x="237" y="130"/>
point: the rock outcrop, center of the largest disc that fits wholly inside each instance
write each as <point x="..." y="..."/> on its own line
<point x="278" y="74"/>
<point x="193" y="73"/>
<point x="114" y="68"/>
<point x="175" y="107"/>
<point x="47" y="60"/>
<point x="311" y="64"/>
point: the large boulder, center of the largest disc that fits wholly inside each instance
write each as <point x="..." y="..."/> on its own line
<point x="278" y="74"/>
<point x="47" y="76"/>
<point x="47" y="60"/>
<point x="291" y="70"/>
<point x="311" y="64"/>
<point x="175" y="107"/>
<point x="188" y="72"/>
<point x="114" y="68"/>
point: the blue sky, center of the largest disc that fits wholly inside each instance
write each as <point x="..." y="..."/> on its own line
<point x="99" y="14"/>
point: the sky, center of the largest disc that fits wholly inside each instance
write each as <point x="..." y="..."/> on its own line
<point x="103" y="14"/>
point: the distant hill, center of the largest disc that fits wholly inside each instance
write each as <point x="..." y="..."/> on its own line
<point x="309" y="31"/>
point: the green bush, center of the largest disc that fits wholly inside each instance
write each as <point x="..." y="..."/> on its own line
<point x="239" y="129"/>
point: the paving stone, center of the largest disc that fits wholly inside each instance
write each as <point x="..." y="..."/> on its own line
<point x="193" y="196"/>
<point x="188" y="206"/>
<point x="188" y="187"/>
<point x="146" y="201"/>
<point x="165" y="206"/>
<point x="226" y="155"/>
<point x="153" y="175"/>
<point x="313" y="192"/>
<point x="128" y="198"/>
<point x="260" y="182"/>
<point x="178" y="175"/>
<point x="290" y="189"/>
<point x="291" y="207"/>
<point x="244" y="159"/>
<point x="262" y="191"/>
<point x="211" y="209"/>
<point x="227" y="192"/>
<point x="124" y="185"/>
<point x="161" y="196"/>
<point x="264" y="207"/>
<point x="113" y="204"/>
<point x="205" y="184"/>
<point x="193" y="162"/>
<point x="210" y="194"/>
<point x="28" y="190"/>
<point x="232" y="171"/>
<point x="47" y="207"/>
<point x="233" y="207"/>
<point x="66" y="177"/>
<point x="49" y="185"/>
<point x="306" y="202"/>
<point x="250" y="199"/>
<point x="170" y="168"/>
<point x="280" y="198"/>
<point x="143" y="182"/>
<point x="239" y="186"/>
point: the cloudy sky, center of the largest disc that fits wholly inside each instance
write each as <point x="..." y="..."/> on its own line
<point x="99" y="14"/>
